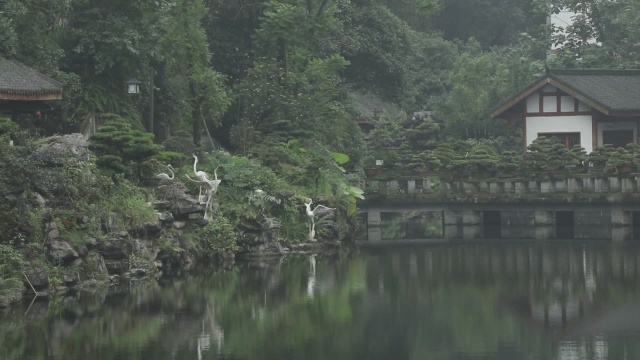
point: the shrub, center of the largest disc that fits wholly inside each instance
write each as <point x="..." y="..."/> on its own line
<point x="117" y="146"/>
<point x="217" y="237"/>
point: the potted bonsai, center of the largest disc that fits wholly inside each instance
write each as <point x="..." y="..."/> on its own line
<point x="482" y="161"/>
<point x="599" y="156"/>
<point x="537" y="159"/>
<point x="580" y="157"/>
<point x="620" y="161"/>
<point x="508" y="164"/>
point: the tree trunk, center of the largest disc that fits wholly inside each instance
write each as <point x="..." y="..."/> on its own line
<point x="197" y="127"/>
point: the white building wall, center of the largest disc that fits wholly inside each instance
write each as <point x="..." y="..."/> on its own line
<point x="561" y="124"/>
<point x="533" y="103"/>
<point x="603" y="126"/>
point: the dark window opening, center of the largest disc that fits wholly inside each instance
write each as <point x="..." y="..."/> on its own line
<point x="565" y="225"/>
<point x="617" y="138"/>
<point x="491" y="225"/>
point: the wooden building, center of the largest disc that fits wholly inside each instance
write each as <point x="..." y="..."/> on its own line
<point x="586" y="107"/>
<point x="25" y="91"/>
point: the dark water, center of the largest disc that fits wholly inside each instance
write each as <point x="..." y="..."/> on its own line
<point x="476" y="301"/>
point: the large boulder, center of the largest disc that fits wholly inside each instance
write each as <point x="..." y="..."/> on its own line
<point x="38" y="277"/>
<point x="61" y="251"/>
<point x="73" y="143"/>
<point x="115" y="247"/>
<point x="182" y="204"/>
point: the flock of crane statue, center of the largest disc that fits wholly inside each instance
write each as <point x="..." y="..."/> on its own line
<point x="211" y="188"/>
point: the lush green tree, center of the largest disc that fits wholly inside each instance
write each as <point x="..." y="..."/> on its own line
<point x="491" y="22"/>
<point x="603" y="34"/>
<point x="193" y="93"/>
<point x="294" y="89"/>
<point x="391" y="59"/>
<point x="482" y="79"/>
<point x="419" y="14"/>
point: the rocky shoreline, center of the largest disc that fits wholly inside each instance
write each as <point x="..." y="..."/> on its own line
<point x="68" y="257"/>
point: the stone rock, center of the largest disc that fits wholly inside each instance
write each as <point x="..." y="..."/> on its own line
<point x="38" y="277"/>
<point x="76" y="262"/>
<point x="111" y="223"/>
<point x="47" y="216"/>
<point x="94" y="265"/>
<point x="115" y="247"/>
<point x="116" y="267"/>
<point x="201" y="222"/>
<point x="91" y="242"/>
<point x="39" y="199"/>
<point x="179" y="224"/>
<point x="148" y="229"/>
<point x="62" y="251"/>
<point x="70" y="279"/>
<point x="165" y="217"/>
<point x="74" y="143"/>
<point x="53" y="235"/>
<point x="83" y="221"/>
<point x="182" y="204"/>
<point x="152" y="227"/>
<point x="135" y="273"/>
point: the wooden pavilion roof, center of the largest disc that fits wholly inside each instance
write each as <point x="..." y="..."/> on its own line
<point x="20" y="82"/>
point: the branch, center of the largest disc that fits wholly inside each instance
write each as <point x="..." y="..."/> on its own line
<point x="32" y="288"/>
<point x="321" y="8"/>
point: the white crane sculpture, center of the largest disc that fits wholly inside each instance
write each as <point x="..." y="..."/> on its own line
<point x="211" y="187"/>
<point x="164" y="176"/>
<point x="200" y="175"/>
<point x="311" y="214"/>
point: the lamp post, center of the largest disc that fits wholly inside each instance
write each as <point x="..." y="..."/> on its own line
<point x="133" y="86"/>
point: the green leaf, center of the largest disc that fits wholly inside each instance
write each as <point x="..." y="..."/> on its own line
<point x="340" y="158"/>
<point x="351" y="209"/>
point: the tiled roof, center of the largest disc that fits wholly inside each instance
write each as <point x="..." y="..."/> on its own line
<point x="617" y="90"/>
<point x="612" y="92"/>
<point x="370" y="106"/>
<point x="20" y="82"/>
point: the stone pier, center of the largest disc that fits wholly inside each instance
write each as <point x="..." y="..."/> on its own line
<point x="471" y="224"/>
<point x="621" y="225"/>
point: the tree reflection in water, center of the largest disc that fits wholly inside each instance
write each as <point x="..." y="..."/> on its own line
<point x="474" y="301"/>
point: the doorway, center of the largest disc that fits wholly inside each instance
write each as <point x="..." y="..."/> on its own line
<point x="617" y="138"/>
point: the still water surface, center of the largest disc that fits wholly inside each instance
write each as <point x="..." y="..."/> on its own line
<point x="565" y="301"/>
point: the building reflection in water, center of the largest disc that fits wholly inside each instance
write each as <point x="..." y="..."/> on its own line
<point x="579" y="295"/>
<point x="595" y="349"/>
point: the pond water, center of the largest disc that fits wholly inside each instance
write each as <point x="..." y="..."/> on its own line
<point x="561" y="301"/>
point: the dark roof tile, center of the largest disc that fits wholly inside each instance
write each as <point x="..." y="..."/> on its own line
<point x="614" y="92"/>
<point x="20" y="80"/>
<point x="617" y="90"/>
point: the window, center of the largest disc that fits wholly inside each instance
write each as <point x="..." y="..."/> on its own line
<point x="568" y="139"/>
<point x="617" y="138"/>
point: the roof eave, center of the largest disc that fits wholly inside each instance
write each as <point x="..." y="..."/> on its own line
<point x="579" y="95"/>
<point x="521" y="95"/>
<point x="536" y="85"/>
<point x="30" y="95"/>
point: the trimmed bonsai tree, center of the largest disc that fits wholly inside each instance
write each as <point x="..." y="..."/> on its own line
<point x="620" y="161"/>
<point x="580" y="157"/>
<point x="599" y="156"/>
<point x="509" y="163"/>
<point x="482" y="160"/>
<point x="537" y="157"/>
<point x="118" y="147"/>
